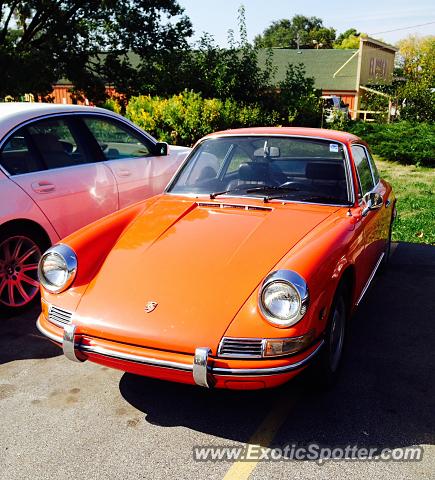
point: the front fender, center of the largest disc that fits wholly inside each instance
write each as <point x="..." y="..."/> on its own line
<point x="321" y="259"/>
<point x="92" y="244"/>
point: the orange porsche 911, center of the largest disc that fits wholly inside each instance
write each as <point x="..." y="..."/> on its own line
<point x="241" y="274"/>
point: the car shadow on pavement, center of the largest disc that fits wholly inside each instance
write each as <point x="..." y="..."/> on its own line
<point x="385" y="393"/>
<point x="20" y="339"/>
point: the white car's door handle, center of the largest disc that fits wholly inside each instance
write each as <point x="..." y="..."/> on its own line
<point x="43" y="187"/>
<point x="124" y="173"/>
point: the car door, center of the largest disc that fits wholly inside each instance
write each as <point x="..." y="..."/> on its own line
<point x="130" y="156"/>
<point x="50" y="161"/>
<point x="373" y="219"/>
<point x="385" y="213"/>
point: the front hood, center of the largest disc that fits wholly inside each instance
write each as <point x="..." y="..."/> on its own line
<point x="198" y="262"/>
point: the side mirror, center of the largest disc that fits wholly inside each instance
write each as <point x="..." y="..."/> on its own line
<point x="161" y="149"/>
<point x="373" y="201"/>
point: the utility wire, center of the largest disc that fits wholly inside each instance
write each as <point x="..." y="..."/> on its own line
<point x="403" y="28"/>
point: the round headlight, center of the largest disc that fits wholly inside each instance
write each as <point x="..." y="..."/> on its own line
<point x="57" y="268"/>
<point x="283" y="298"/>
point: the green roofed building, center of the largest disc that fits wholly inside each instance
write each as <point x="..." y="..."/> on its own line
<point x="341" y="73"/>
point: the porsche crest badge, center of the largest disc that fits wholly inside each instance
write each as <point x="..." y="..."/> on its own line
<point x="150" y="306"/>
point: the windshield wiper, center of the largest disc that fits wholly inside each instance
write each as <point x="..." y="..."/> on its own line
<point x="231" y="190"/>
<point x="263" y="188"/>
<point x="284" y="189"/>
<point x="326" y="198"/>
<point x="310" y="198"/>
<point x="268" y="188"/>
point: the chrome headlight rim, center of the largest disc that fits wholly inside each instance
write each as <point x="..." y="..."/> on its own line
<point x="295" y="281"/>
<point x="69" y="258"/>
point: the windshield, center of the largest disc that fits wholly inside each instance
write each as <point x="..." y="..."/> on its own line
<point x="290" y="168"/>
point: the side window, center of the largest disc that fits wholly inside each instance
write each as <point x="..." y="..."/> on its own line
<point x="363" y="169"/>
<point x="57" y="143"/>
<point x="17" y="157"/>
<point x="239" y="156"/>
<point x="116" y="141"/>
<point x="205" y="167"/>
<point x="374" y="168"/>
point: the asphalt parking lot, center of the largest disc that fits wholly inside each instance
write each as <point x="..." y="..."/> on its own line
<point x="62" y="420"/>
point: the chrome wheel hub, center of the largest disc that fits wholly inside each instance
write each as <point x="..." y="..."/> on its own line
<point x="19" y="257"/>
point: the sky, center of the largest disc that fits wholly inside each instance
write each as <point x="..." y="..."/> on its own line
<point x="375" y="17"/>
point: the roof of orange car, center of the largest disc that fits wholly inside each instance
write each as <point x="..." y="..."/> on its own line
<point x="299" y="131"/>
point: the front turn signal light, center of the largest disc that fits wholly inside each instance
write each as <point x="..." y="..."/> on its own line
<point x="287" y="346"/>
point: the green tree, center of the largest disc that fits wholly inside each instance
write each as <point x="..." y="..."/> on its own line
<point x="349" y="39"/>
<point x="230" y="73"/>
<point x="298" y="100"/>
<point x="416" y="93"/>
<point x="42" y="41"/>
<point x="416" y="98"/>
<point x="416" y="56"/>
<point x="305" y="32"/>
<point x="214" y="72"/>
<point x="350" y="32"/>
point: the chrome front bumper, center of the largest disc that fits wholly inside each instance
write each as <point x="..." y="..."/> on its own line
<point x="202" y="370"/>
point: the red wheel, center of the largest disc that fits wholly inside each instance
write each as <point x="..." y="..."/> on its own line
<point x="19" y="257"/>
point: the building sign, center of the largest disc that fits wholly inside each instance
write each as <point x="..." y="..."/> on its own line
<point x="378" y="68"/>
<point x="377" y="62"/>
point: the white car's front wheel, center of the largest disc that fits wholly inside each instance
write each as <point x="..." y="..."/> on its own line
<point x="20" y="252"/>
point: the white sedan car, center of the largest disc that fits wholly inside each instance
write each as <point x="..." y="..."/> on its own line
<point x="62" y="167"/>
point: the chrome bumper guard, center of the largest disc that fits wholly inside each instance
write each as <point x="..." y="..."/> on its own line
<point x="201" y="368"/>
<point x="69" y="343"/>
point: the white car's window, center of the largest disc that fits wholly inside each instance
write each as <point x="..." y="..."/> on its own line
<point x="363" y="168"/>
<point x="57" y="143"/>
<point x="116" y="141"/>
<point x="17" y="157"/>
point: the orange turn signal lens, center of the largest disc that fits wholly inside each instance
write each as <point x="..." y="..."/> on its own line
<point x="287" y="346"/>
<point x="45" y="308"/>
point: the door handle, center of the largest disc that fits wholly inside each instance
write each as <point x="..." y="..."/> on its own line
<point x="43" y="187"/>
<point x="387" y="203"/>
<point x="124" y="173"/>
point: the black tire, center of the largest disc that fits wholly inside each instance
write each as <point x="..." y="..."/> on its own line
<point x="15" y="244"/>
<point x="326" y="367"/>
<point x="386" y="260"/>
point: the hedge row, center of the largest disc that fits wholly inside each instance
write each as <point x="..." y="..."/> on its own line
<point x="183" y="119"/>
<point x="404" y="142"/>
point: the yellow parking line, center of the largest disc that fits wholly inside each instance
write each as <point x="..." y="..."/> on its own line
<point x="263" y="436"/>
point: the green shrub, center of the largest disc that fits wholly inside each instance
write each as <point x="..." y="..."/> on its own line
<point x="404" y="142"/>
<point x="339" y="121"/>
<point x="184" y="118"/>
<point x="418" y="99"/>
<point x="112" y="104"/>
